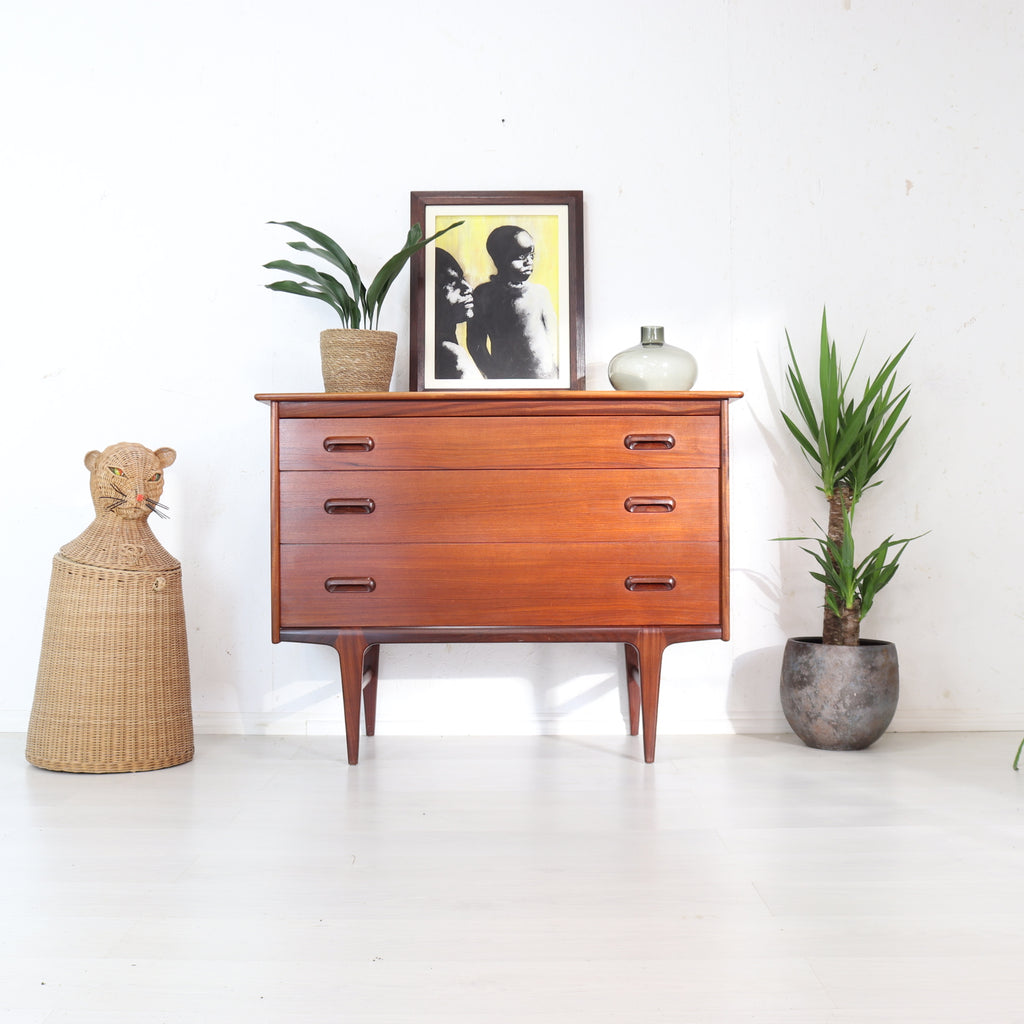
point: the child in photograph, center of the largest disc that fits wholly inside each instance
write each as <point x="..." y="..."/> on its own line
<point x="514" y="314"/>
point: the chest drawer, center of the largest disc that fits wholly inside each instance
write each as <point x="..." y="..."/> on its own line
<point x="579" y="584"/>
<point x="489" y="506"/>
<point x="535" y="442"/>
<point x="519" y="516"/>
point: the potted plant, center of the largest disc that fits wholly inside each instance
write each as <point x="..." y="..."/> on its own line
<point x="358" y="356"/>
<point x="839" y="692"/>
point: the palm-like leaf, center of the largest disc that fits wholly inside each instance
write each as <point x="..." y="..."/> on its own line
<point x="358" y="304"/>
<point x="848" y="438"/>
<point x="339" y="259"/>
<point x="385" y="277"/>
<point x="850" y="584"/>
<point x="297" y="288"/>
<point x="324" y="286"/>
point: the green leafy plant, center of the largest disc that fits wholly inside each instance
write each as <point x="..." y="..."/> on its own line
<point x="358" y="305"/>
<point x="848" y="438"/>
<point x="849" y="583"/>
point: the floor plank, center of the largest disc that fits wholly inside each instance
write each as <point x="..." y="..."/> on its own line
<point x="738" y="879"/>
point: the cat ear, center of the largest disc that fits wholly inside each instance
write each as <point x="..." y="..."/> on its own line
<point x="91" y="459"/>
<point x="165" y="456"/>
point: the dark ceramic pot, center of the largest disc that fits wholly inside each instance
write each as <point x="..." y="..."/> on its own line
<point x="839" y="698"/>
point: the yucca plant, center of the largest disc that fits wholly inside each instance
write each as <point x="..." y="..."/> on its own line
<point x="848" y="439"/>
<point x="358" y="305"/>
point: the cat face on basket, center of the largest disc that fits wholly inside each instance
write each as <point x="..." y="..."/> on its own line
<point x="127" y="479"/>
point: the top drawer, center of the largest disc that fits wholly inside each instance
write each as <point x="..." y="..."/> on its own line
<point x="606" y="442"/>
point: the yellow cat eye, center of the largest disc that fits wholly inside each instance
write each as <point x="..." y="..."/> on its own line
<point x="116" y="471"/>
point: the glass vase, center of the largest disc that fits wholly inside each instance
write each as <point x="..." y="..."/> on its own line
<point x="652" y="365"/>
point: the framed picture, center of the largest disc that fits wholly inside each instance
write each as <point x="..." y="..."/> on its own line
<point x="497" y="302"/>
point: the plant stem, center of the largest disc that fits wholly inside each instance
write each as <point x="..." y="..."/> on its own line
<point x="841" y="630"/>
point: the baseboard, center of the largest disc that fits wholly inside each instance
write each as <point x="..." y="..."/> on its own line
<point x="285" y="724"/>
<point x="290" y="724"/>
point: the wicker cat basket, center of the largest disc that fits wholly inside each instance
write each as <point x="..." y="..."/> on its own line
<point x="113" y="692"/>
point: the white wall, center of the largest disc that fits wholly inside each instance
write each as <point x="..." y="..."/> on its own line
<point x="743" y="162"/>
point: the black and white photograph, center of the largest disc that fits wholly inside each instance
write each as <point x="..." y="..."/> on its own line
<point x="498" y="302"/>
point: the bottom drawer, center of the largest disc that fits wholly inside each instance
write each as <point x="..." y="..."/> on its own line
<point x="500" y="585"/>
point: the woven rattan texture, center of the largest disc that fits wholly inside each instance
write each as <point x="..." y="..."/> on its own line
<point x="113" y="690"/>
<point x="357" y="360"/>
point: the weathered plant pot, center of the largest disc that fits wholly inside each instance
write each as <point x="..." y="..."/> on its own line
<point x="839" y="698"/>
<point x="353" y="361"/>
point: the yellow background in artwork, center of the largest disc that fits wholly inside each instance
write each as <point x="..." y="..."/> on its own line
<point x="468" y="244"/>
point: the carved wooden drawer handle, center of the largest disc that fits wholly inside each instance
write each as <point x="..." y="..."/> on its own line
<point x="348" y="444"/>
<point x="350" y="585"/>
<point x="650" y="504"/>
<point x="349" y="506"/>
<point x="644" y="442"/>
<point x="650" y="583"/>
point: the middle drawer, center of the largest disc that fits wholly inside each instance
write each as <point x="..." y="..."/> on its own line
<point x="491" y="506"/>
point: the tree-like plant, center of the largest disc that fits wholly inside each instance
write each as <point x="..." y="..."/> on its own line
<point x="848" y="439"/>
<point x="358" y="305"/>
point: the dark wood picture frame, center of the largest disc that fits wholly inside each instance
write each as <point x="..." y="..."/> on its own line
<point x="439" y="357"/>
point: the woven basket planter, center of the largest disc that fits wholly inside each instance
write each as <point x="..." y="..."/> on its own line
<point x="112" y="694"/>
<point x="357" y="360"/>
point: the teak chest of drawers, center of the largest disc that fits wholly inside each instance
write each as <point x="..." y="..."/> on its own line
<point x="505" y="516"/>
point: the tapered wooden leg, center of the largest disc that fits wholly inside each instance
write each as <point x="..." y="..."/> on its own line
<point x="350" y="647"/>
<point x="633" y="688"/>
<point x="371" y="664"/>
<point x="650" y="644"/>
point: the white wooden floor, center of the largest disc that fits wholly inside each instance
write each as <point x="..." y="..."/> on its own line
<point x="541" y="880"/>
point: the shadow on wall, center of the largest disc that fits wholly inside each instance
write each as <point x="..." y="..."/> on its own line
<point x="594" y="669"/>
<point x="752" y="702"/>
